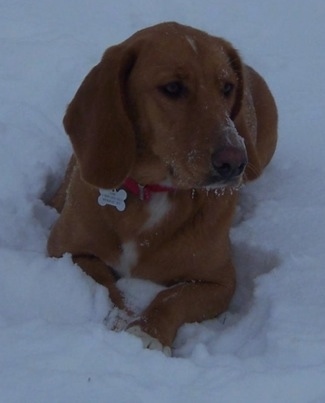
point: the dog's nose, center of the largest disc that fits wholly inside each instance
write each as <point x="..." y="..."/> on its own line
<point x="229" y="162"/>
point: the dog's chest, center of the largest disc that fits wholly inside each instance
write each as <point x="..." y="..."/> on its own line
<point x="157" y="211"/>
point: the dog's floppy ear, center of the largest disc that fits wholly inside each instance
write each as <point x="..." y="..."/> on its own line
<point x="239" y="115"/>
<point x="98" y="123"/>
<point x="237" y="66"/>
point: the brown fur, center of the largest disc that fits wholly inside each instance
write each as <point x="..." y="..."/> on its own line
<point x="122" y="124"/>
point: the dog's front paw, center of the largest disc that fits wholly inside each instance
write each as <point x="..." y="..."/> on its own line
<point x="118" y="319"/>
<point x="148" y="341"/>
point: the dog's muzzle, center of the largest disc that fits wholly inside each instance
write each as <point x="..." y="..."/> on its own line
<point x="228" y="164"/>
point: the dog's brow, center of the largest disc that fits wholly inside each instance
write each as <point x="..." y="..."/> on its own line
<point x="167" y="73"/>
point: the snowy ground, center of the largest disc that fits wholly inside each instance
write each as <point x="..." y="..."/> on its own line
<point x="270" y="346"/>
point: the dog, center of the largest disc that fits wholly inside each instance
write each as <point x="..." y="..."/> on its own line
<point x="165" y="129"/>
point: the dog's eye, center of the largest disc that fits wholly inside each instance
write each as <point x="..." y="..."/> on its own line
<point x="174" y="89"/>
<point x="228" y="89"/>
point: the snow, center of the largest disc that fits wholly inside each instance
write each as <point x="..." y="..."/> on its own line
<point x="54" y="345"/>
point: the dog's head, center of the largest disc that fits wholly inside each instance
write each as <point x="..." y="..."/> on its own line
<point x="160" y="107"/>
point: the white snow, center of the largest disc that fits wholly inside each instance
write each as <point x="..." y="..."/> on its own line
<point x="270" y="345"/>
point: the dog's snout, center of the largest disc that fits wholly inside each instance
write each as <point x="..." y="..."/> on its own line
<point x="229" y="162"/>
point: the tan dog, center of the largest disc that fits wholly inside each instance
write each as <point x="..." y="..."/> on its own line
<point x="164" y="129"/>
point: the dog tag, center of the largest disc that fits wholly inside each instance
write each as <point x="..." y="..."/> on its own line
<point x="112" y="197"/>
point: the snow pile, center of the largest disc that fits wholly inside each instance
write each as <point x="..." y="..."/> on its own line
<point x="269" y="346"/>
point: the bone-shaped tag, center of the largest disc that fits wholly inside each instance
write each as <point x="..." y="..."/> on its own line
<point x="112" y="197"/>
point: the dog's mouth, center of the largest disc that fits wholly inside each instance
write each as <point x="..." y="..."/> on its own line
<point x="211" y="182"/>
<point x="220" y="187"/>
<point x="215" y="181"/>
<point x="223" y="169"/>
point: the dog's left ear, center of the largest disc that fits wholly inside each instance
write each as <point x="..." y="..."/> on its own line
<point x="239" y="114"/>
<point x="98" y="123"/>
<point x="237" y="66"/>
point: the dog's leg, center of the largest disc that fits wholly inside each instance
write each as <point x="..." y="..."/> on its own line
<point x="58" y="199"/>
<point x="103" y="275"/>
<point x="183" y="303"/>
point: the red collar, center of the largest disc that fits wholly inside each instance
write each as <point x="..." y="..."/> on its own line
<point x="144" y="192"/>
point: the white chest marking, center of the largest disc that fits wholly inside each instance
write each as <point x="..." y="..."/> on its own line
<point x="128" y="259"/>
<point x="159" y="205"/>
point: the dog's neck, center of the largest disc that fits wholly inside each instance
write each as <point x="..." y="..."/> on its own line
<point x="145" y="192"/>
<point x="117" y="197"/>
